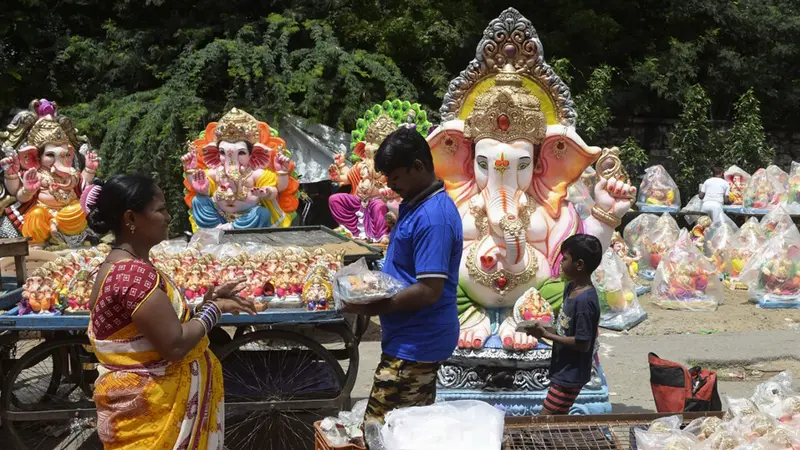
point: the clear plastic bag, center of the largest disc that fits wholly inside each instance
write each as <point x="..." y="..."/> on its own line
<point x="737" y="179"/>
<point x="769" y="395"/>
<point x="630" y="255"/>
<point x="772" y="275"/>
<point x="718" y="240"/>
<point x="619" y="306"/>
<point x="767" y="188"/>
<point x="664" y="440"/>
<point x="356" y="284"/>
<point x="662" y="237"/>
<point x="637" y="232"/>
<point x="794" y="183"/>
<point x="704" y="427"/>
<point x="460" y="424"/>
<point x="781" y="438"/>
<point x="658" y="191"/>
<point x="686" y="280"/>
<point x="695" y="205"/>
<point x="739" y="407"/>
<point x="580" y="196"/>
<point x="699" y="230"/>
<point x="777" y="221"/>
<point x="589" y="179"/>
<point x="723" y="440"/>
<point x="744" y="245"/>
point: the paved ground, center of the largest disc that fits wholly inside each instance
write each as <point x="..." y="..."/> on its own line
<point x="743" y="359"/>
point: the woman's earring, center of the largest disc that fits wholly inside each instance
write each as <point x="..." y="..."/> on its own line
<point x="132" y="228"/>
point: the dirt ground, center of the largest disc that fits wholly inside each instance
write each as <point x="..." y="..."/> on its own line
<point x="735" y="315"/>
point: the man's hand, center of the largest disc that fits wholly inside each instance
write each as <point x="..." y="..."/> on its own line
<point x="368" y="309"/>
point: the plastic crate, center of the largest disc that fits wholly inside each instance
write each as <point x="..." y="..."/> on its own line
<point x="321" y="442"/>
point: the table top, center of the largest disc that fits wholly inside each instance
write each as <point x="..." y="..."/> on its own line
<point x="11" y="321"/>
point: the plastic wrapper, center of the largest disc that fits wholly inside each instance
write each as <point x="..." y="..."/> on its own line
<point x="777" y="221"/>
<point x="658" y="191"/>
<point x="705" y="427"/>
<point x="686" y="279"/>
<point x="637" y="234"/>
<point x="772" y="275"/>
<point x="356" y="284"/>
<point x="755" y="425"/>
<point x="769" y="395"/>
<point x="580" y="196"/>
<point x="695" y="205"/>
<point x="460" y="424"/>
<point x="737" y="179"/>
<point x="790" y="410"/>
<point x="744" y="245"/>
<point x="619" y="306"/>
<point x="662" y="237"/>
<point x="629" y="255"/>
<point x="665" y="440"/>
<point x="698" y="232"/>
<point x="589" y="179"/>
<point x="766" y="190"/>
<point x="794" y="183"/>
<point x="723" y="440"/>
<point x="781" y="438"/>
<point x="718" y="239"/>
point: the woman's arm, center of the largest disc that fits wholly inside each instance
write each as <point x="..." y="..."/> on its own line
<point x="156" y="320"/>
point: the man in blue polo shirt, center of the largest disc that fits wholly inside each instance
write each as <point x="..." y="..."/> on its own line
<point x="419" y="324"/>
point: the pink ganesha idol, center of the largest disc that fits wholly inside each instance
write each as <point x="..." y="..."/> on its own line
<point x="507" y="150"/>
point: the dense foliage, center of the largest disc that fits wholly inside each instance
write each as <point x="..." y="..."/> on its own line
<point x="141" y="78"/>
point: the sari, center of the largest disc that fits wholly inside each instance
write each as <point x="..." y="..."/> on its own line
<point x="144" y="401"/>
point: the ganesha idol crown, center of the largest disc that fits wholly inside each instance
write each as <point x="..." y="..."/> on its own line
<point x="47" y="131"/>
<point x="507" y="112"/>
<point x="235" y="126"/>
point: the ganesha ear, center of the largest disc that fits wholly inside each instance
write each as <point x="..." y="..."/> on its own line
<point x="562" y="159"/>
<point x="29" y="157"/>
<point x="211" y="155"/>
<point x="260" y="156"/>
<point x="452" y="159"/>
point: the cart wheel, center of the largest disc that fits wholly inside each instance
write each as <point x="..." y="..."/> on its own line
<point x="47" y="397"/>
<point x="276" y="384"/>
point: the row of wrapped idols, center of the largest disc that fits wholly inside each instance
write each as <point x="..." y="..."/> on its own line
<point x="658" y="192"/>
<point x="690" y="268"/>
<point x="769" y="420"/>
<point x="276" y="277"/>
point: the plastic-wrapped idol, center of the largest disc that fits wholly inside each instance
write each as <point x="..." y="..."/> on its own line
<point x="744" y="245"/>
<point x="662" y="238"/>
<point x="658" y="191"/>
<point x="695" y="205"/>
<point x="619" y="306"/>
<point x="773" y="273"/>
<point x="767" y="189"/>
<point x="718" y="239"/>
<point x="738" y="179"/>
<point x="580" y="196"/>
<point x="777" y="221"/>
<point x="686" y="279"/>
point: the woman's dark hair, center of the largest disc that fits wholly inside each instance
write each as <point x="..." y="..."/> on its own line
<point x="119" y="194"/>
<point x="401" y="148"/>
<point x="585" y="247"/>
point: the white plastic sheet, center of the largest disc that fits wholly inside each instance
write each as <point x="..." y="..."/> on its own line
<point x="619" y="305"/>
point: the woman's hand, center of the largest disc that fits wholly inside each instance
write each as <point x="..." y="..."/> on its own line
<point x="235" y="305"/>
<point x="225" y="290"/>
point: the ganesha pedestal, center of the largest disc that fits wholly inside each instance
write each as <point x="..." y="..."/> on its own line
<point x="515" y="381"/>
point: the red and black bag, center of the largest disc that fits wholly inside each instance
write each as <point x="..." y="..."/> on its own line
<point x="677" y="389"/>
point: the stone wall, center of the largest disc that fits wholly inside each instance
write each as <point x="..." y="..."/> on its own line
<point x="653" y="135"/>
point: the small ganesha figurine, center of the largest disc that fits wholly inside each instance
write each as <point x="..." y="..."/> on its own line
<point x="43" y="173"/>
<point x="658" y="190"/>
<point x="780" y="277"/>
<point x="737" y="179"/>
<point x="239" y="176"/>
<point x="699" y="232"/>
<point x="318" y="290"/>
<point x="630" y="257"/>
<point x="531" y="306"/>
<point x="362" y="213"/>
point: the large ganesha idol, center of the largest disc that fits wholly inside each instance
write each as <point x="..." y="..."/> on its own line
<point x="507" y="151"/>
<point x="238" y="175"/>
<point x="362" y="213"/>
<point x="42" y="173"/>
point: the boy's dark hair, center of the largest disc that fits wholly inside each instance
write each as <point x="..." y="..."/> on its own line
<point x="401" y="148"/>
<point x="585" y="247"/>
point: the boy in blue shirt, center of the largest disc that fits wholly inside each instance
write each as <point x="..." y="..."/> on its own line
<point x="575" y="330"/>
<point x="419" y="324"/>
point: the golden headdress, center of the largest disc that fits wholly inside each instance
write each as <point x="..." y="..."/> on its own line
<point x="47" y="131"/>
<point x="507" y="112"/>
<point x="237" y="125"/>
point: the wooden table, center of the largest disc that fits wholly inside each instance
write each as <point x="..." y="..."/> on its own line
<point x="18" y="248"/>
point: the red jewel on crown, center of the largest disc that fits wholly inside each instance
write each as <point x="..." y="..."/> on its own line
<point x="503" y="122"/>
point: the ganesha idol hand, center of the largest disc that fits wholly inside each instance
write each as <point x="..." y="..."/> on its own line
<point x="614" y="196"/>
<point x="265" y="193"/>
<point x="281" y="163"/>
<point x="199" y="182"/>
<point x="10" y="165"/>
<point x="31" y="180"/>
<point x="189" y="161"/>
<point x="92" y="161"/>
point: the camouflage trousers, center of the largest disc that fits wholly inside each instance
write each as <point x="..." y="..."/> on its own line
<point x="400" y="383"/>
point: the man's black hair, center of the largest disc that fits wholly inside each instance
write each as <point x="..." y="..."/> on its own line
<point x="400" y="149"/>
<point x="716" y="171"/>
<point x="585" y="247"/>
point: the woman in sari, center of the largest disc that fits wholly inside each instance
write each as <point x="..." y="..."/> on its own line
<point x="160" y="387"/>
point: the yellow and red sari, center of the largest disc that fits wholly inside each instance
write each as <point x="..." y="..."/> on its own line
<point x="144" y="401"/>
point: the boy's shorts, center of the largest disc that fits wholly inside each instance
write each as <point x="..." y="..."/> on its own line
<point x="560" y="399"/>
<point x="400" y="383"/>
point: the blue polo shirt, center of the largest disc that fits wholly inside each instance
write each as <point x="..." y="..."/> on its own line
<point x="426" y="242"/>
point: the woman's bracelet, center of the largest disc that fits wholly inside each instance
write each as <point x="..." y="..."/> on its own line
<point x="208" y="315"/>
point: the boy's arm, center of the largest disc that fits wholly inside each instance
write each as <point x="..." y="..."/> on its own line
<point x="568" y="341"/>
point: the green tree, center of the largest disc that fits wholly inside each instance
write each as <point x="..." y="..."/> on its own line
<point x="693" y="142"/>
<point x="746" y="142"/>
<point x="634" y="157"/>
<point x="591" y="105"/>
